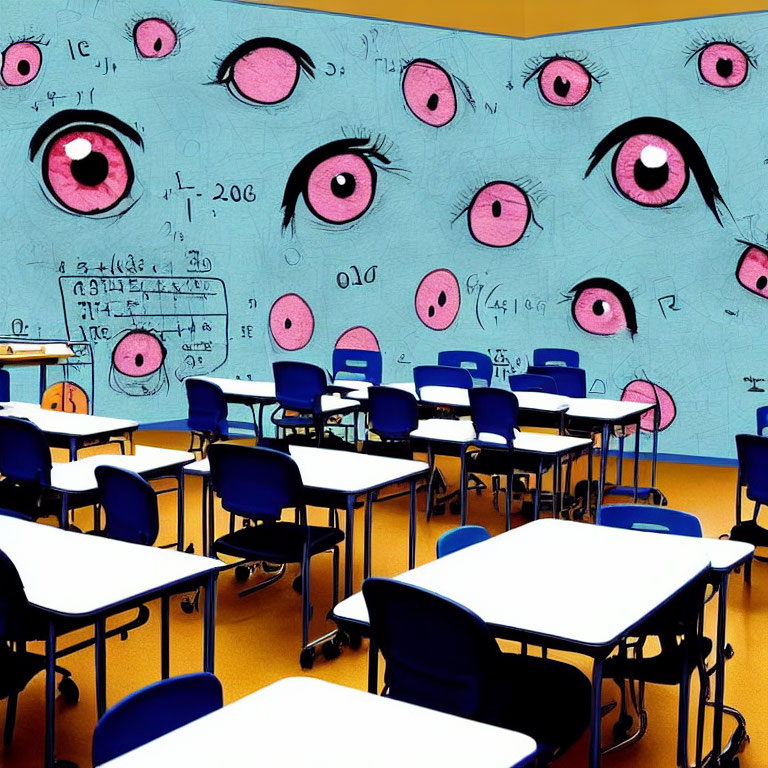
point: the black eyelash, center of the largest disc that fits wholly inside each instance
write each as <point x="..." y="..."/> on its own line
<point x="34" y="39"/>
<point x="302" y="57"/>
<point x="299" y="177"/>
<point x="701" y="41"/>
<point x="621" y="293"/>
<point x="532" y="188"/>
<point x="70" y="117"/>
<point x="686" y="145"/>
<point x="535" y="64"/>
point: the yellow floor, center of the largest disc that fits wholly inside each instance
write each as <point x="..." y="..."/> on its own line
<point x="258" y="637"/>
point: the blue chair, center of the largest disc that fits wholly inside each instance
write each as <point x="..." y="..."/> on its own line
<point x="441" y="655"/>
<point x="676" y="625"/>
<point x="152" y="712"/>
<point x="441" y="376"/>
<point x="555" y="356"/>
<point x="357" y="365"/>
<point x="532" y="382"/>
<point x="206" y="415"/>
<point x="5" y="385"/>
<point x="392" y="415"/>
<point x="762" y="419"/>
<point x="478" y="364"/>
<point x="130" y="504"/>
<point x="19" y="624"/>
<point x="258" y="484"/>
<point x="458" y="538"/>
<point x="570" y="381"/>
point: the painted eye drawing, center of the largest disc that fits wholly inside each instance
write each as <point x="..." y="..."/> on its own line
<point x="752" y="270"/>
<point x="429" y="93"/>
<point x="264" y="71"/>
<point x="562" y="81"/>
<point x="498" y="214"/>
<point x="291" y="322"/>
<point x="86" y="169"/>
<point x="138" y="364"/>
<point x="603" y="307"/>
<point x="21" y="63"/>
<point x="154" y="38"/>
<point x="653" y="163"/>
<point x="438" y="299"/>
<point x="721" y="63"/>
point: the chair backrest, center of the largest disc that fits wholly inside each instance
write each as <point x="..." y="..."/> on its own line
<point x="392" y="413"/>
<point x="357" y="364"/>
<point x="752" y="453"/>
<point x="458" y="538"/>
<point x="532" y="382"/>
<point x="13" y="601"/>
<point x="130" y="504"/>
<point x="441" y="376"/>
<point x="153" y="711"/>
<point x="556" y="356"/>
<point x="25" y="456"/>
<point x="571" y="381"/>
<point x="478" y="364"/>
<point x="207" y="407"/>
<point x="5" y="385"/>
<point x="255" y="482"/>
<point x="762" y="418"/>
<point x="644" y="517"/>
<point x="494" y="411"/>
<point x="438" y="653"/>
<point x="298" y="386"/>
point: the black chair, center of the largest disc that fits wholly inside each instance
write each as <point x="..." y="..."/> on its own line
<point x="154" y="711"/>
<point x="441" y="655"/>
<point x="207" y="414"/>
<point x="258" y="484"/>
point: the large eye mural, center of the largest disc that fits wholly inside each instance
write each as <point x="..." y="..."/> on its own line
<point x="138" y="364"/>
<point x="603" y="307"/>
<point x="498" y="214"/>
<point x="291" y="322"/>
<point x="21" y="63"/>
<point x="358" y="337"/>
<point x="429" y="93"/>
<point x="438" y="299"/>
<point x="264" y="71"/>
<point x="337" y="181"/>
<point x="653" y="162"/>
<point x="562" y="81"/>
<point x="723" y="64"/>
<point x="752" y="270"/>
<point x="86" y="168"/>
<point x="154" y="38"/>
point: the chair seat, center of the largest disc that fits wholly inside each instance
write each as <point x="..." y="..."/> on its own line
<point x="277" y="542"/>
<point x="28" y="500"/>
<point x="492" y="462"/>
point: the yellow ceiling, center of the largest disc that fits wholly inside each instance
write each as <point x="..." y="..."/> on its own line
<point x="528" y="17"/>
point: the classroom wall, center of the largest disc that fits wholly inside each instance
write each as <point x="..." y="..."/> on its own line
<point x="190" y="201"/>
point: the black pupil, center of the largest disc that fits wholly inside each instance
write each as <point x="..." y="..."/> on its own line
<point x="762" y="281"/>
<point x="724" y="67"/>
<point x="650" y="179"/>
<point x="561" y="86"/>
<point x="158" y="44"/>
<point x="287" y="323"/>
<point x="23" y="67"/>
<point x="343" y="185"/>
<point x="598" y="307"/>
<point x="441" y="299"/>
<point x="432" y="102"/>
<point x="496" y="209"/>
<point x="139" y="360"/>
<point x="92" y="170"/>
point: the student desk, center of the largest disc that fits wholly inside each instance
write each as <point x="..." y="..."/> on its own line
<point x="561" y="589"/>
<point x="77" y="478"/>
<point x="336" y="478"/>
<point x="69" y="575"/>
<point x="72" y="430"/>
<point x="289" y="723"/>
<point x="462" y="433"/>
<point x="39" y="354"/>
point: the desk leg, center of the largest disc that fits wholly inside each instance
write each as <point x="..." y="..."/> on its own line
<point x="367" y="535"/>
<point x="537" y="498"/>
<point x="43" y="379"/>
<point x="211" y="516"/>
<point x="594" y="732"/>
<point x="373" y="667"/>
<point x="100" y="652"/>
<point x="180" y="509"/>
<point x="50" y="695"/>
<point x="717" y="724"/>
<point x="655" y="448"/>
<point x="165" y="637"/>
<point x="64" y="514"/>
<point x="603" y="462"/>
<point x="620" y="460"/>
<point x="636" y="477"/>
<point x="349" y="545"/>
<point x="209" y="622"/>
<point x="463" y="483"/>
<point x="72" y="448"/>
<point x="431" y="462"/>
<point x="412" y="527"/>
<point x="204" y="526"/>
<point x="557" y="506"/>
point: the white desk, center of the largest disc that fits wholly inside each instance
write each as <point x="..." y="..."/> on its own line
<point x="41" y="354"/>
<point x="69" y="575"/>
<point x="337" y="478"/>
<point x="462" y="433"/>
<point x="72" y="430"/>
<point x="287" y="724"/>
<point x="77" y="478"/>
<point x="555" y="609"/>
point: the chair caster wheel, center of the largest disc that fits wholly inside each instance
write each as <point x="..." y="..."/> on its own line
<point x="69" y="690"/>
<point x="455" y="507"/>
<point x="331" y="650"/>
<point x="621" y="728"/>
<point x="297" y="584"/>
<point x="528" y="510"/>
<point x="438" y="509"/>
<point x="307" y="658"/>
<point x="354" y="640"/>
<point x="242" y="572"/>
<point x="728" y="651"/>
<point x="190" y="550"/>
<point x="187" y="605"/>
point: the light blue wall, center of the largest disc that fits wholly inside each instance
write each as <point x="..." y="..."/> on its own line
<point x="199" y="134"/>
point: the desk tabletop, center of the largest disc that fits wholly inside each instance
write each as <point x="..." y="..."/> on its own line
<point x="75" y="574"/>
<point x="561" y="580"/>
<point x="258" y="390"/>
<point x="78" y="476"/>
<point x="69" y="424"/>
<point x="341" y="471"/>
<point x="289" y="723"/>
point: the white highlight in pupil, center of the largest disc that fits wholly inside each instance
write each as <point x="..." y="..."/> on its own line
<point x="340" y="180"/>
<point x="653" y="157"/>
<point x="77" y="149"/>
